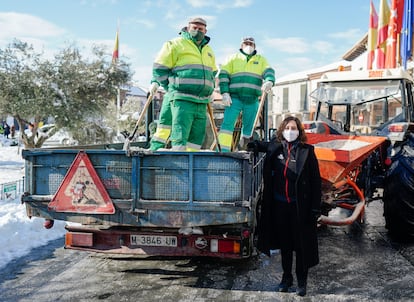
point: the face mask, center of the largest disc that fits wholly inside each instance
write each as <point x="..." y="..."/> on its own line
<point x="197" y="35"/>
<point x="290" y="135"/>
<point x="248" y="49"/>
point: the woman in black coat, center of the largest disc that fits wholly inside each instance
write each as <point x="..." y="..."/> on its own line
<point x="291" y="202"/>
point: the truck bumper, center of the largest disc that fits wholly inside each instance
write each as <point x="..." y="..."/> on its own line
<point x="152" y="243"/>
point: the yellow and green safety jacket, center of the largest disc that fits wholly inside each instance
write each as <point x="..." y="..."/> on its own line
<point x="243" y="75"/>
<point x="185" y="69"/>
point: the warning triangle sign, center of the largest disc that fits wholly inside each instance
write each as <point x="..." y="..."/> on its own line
<point x="82" y="191"/>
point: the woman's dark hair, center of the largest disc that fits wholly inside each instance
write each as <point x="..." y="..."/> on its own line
<point x="302" y="135"/>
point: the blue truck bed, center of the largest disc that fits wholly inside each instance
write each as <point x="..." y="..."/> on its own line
<point x="145" y="189"/>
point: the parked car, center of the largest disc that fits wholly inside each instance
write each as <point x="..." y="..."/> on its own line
<point x="61" y="137"/>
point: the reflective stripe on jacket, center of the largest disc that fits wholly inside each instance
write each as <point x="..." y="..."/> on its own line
<point x="244" y="75"/>
<point x="186" y="69"/>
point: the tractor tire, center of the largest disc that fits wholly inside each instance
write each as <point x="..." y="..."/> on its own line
<point x="399" y="194"/>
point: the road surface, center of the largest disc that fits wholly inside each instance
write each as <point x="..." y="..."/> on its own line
<point x="358" y="263"/>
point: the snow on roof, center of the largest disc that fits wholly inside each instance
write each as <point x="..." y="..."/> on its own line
<point x="136" y="91"/>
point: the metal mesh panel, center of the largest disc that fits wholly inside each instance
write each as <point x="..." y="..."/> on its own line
<point x="168" y="183"/>
<point x="115" y="172"/>
<point x="50" y="171"/>
<point x="54" y="181"/>
<point x="218" y="179"/>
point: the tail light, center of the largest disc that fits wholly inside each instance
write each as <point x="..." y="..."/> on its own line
<point x="224" y="246"/>
<point x="48" y="224"/>
<point x="388" y="161"/>
<point x="246" y="234"/>
<point x="397" y="131"/>
<point x="396" y="128"/>
<point x="79" y="239"/>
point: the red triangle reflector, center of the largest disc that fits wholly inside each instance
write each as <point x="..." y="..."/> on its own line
<point x="82" y="191"/>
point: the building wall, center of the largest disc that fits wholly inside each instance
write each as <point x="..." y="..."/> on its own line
<point x="289" y="97"/>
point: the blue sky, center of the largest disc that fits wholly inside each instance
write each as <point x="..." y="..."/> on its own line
<point x="293" y="35"/>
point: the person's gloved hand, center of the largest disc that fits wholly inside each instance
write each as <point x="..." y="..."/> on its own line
<point x="252" y="147"/>
<point x="211" y="98"/>
<point x="267" y="86"/>
<point x="316" y="214"/>
<point x="153" y="88"/>
<point x="226" y="99"/>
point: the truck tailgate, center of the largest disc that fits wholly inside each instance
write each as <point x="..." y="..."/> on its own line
<point x="145" y="189"/>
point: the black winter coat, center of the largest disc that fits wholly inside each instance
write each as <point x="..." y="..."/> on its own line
<point x="308" y="195"/>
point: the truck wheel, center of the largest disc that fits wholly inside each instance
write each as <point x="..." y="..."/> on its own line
<point x="398" y="195"/>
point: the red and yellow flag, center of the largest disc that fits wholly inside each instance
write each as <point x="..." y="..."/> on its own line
<point x="384" y="18"/>
<point x="394" y="28"/>
<point x="115" y="53"/>
<point x="372" y="35"/>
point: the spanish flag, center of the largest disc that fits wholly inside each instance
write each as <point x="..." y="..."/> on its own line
<point x="372" y="35"/>
<point x="384" y="19"/>
<point x="115" y="54"/>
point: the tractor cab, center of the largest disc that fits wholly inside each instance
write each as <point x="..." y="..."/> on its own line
<point x="362" y="103"/>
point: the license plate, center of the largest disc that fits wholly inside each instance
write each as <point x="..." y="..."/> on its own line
<point x="149" y="240"/>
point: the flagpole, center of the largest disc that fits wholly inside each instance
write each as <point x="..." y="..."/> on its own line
<point x="115" y="58"/>
<point x="118" y="109"/>
<point x="398" y="53"/>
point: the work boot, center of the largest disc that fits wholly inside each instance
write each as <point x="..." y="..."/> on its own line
<point x="287" y="281"/>
<point x="301" y="290"/>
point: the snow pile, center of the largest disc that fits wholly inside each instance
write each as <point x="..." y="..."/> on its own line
<point x="18" y="233"/>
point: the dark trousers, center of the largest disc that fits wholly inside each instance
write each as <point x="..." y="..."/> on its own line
<point x="287" y="260"/>
<point x="287" y="223"/>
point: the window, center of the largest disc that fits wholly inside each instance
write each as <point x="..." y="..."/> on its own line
<point x="285" y="99"/>
<point x="303" y="97"/>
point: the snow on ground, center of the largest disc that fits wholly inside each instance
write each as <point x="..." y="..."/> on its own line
<point x="18" y="233"/>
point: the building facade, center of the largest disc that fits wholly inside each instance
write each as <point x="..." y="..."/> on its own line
<point x="291" y="93"/>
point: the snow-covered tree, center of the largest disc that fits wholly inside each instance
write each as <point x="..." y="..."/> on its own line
<point x="75" y="91"/>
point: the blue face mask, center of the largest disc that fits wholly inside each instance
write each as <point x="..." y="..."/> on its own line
<point x="197" y="35"/>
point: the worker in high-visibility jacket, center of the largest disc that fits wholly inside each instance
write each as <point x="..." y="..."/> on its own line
<point x="186" y="68"/>
<point x="242" y="79"/>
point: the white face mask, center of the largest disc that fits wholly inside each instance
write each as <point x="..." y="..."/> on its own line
<point x="290" y="135"/>
<point x="248" y="49"/>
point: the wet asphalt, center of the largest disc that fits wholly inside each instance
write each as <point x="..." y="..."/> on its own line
<point x="358" y="263"/>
